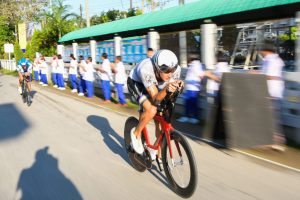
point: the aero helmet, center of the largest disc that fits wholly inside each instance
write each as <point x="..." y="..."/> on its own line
<point x="23" y="61"/>
<point x="165" y="61"/>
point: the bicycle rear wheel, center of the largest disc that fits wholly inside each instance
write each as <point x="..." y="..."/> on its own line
<point x="181" y="171"/>
<point x="131" y="123"/>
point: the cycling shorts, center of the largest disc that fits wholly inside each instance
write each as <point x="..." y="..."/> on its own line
<point x="137" y="90"/>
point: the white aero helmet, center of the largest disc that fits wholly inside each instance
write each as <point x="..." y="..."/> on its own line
<point x="165" y="61"/>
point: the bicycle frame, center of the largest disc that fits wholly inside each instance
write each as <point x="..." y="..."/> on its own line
<point x="166" y="128"/>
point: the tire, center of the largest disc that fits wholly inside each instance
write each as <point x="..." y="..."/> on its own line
<point x="190" y="185"/>
<point x="24" y="93"/>
<point x="24" y="96"/>
<point x="131" y="123"/>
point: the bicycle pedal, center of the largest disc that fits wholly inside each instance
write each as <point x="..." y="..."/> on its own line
<point x="143" y="160"/>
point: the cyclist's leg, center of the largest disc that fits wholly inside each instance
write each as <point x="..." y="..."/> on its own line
<point x="28" y="84"/>
<point x="20" y="82"/>
<point x="145" y="117"/>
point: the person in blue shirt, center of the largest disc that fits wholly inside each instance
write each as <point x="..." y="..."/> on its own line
<point x="24" y="69"/>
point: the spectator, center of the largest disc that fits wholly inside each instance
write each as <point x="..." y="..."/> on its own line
<point x="88" y="77"/>
<point x="60" y="73"/>
<point x="193" y="79"/>
<point x="150" y="52"/>
<point x="73" y="73"/>
<point x="44" y="71"/>
<point x="272" y="67"/>
<point x="29" y="63"/>
<point x="120" y="77"/>
<point x="54" y="71"/>
<point x="221" y="67"/>
<point x="81" y="82"/>
<point x="105" y="70"/>
<point x="36" y="69"/>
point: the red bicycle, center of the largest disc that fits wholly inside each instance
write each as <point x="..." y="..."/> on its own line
<point x="177" y="157"/>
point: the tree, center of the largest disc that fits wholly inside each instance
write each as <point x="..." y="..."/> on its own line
<point x="59" y="20"/>
<point x="17" y="51"/>
<point x="113" y="15"/>
<point x="6" y="34"/>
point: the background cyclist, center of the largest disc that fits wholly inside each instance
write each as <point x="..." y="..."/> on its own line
<point x="24" y="68"/>
<point x="149" y="83"/>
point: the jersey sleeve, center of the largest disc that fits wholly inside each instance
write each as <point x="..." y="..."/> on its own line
<point x="147" y="75"/>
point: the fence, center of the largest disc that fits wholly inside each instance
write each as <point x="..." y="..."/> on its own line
<point x="8" y="64"/>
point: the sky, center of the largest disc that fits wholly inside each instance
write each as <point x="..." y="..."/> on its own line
<point x="97" y="6"/>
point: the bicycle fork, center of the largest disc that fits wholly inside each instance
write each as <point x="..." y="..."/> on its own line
<point x="174" y="163"/>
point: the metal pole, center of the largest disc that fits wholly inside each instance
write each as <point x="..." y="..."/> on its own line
<point x="87" y="13"/>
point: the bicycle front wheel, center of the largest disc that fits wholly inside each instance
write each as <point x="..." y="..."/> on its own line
<point x="181" y="169"/>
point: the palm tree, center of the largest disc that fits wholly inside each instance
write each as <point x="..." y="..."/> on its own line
<point x="59" y="18"/>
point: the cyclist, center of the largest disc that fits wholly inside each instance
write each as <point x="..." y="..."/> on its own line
<point x="149" y="82"/>
<point x="24" y="68"/>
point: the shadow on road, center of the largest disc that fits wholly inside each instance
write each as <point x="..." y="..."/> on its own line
<point x="112" y="139"/>
<point x="32" y="93"/>
<point x="44" y="180"/>
<point x="12" y="122"/>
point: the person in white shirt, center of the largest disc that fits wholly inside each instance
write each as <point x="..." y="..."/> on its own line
<point x="193" y="87"/>
<point x="81" y="82"/>
<point x="54" y="71"/>
<point x="88" y="77"/>
<point x="272" y="67"/>
<point x="106" y="73"/>
<point x="44" y="71"/>
<point x="120" y="78"/>
<point x="220" y="68"/>
<point x="36" y="70"/>
<point x="73" y="73"/>
<point x="60" y="73"/>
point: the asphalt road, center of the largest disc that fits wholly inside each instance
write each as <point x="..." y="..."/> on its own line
<point x="63" y="148"/>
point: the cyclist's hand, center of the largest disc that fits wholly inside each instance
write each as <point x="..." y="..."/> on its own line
<point x="172" y="87"/>
<point x="180" y="84"/>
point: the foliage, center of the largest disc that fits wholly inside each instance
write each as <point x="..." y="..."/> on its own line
<point x="18" y="54"/>
<point x="6" y="34"/>
<point x="113" y="15"/>
<point x="59" y="20"/>
<point x="18" y="11"/>
<point x="43" y="42"/>
<point x="289" y="35"/>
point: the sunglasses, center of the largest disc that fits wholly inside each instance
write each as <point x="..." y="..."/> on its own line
<point x="165" y="69"/>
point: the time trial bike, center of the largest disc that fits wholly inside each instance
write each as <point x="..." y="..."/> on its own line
<point x="25" y="91"/>
<point x="177" y="157"/>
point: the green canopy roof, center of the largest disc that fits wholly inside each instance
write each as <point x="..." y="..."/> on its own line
<point x="187" y="14"/>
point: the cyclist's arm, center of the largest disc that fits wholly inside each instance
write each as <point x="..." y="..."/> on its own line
<point x="158" y="96"/>
<point x="155" y="95"/>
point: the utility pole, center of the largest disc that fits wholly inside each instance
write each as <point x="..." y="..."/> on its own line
<point x="143" y="6"/>
<point x="80" y="10"/>
<point x="87" y="13"/>
<point x="131" y="5"/>
<point x="182" y="45"/>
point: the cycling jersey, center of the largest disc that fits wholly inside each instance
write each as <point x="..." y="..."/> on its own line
<point x="144" y="73"/>
<point x="143" y="76"/>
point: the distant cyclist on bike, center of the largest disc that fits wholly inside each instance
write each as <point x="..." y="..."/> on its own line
<point x="149" y="82"/>
<point x="24" y="69"/>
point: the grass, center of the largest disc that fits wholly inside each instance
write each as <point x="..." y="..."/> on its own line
<point x="9" y="72"/>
